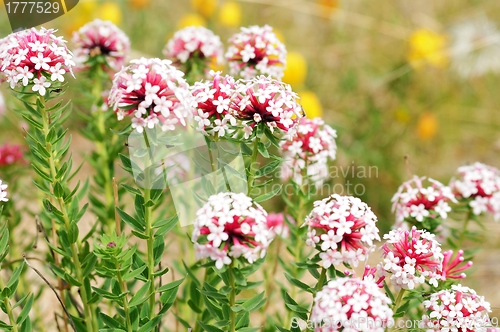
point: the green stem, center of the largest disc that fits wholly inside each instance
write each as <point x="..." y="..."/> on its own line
<point x="8" y="309"/>
<point x="468" y="217"/>
<point x="318" y="287"/>
<point x="232" y="299"/>
<point x="253" y="168"/>
<point x="399" y="298"/>
<point x="123" y="289"/>
<point x="89" y="317"/>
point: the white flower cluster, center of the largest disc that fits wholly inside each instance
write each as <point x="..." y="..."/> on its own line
<point x="346" y="304"/>
<point x="256" y="51"/>
<point x="231" y="226"/>
<point x="411" y="257"/>
<point x="35" y="57"/>
<point x="154" y="93"/>
<point x="481" y="184"/>
<point x="343" y="228"/>
<point x="308" y="153"/>
<point x="3" y="192"/>
<point x="456" y="309"/>
<point x="101" y="38"/>
<point x="190" y="40"/>
<point x="415" y="201"/>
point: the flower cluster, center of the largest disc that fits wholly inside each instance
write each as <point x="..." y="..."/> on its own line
<point x="194" y="44"/>
<point x="451" y="268"/>
<point x="480" y="184"/>
<point x="346" y="304"/>
<point x="411" y="257"/>
<point x="456" y="309"/>
<point x="153" y="92"/>
<point x="10" y="154"/>
<point x="308" y="153"/>
<point x="230" y="226"/>
<point x="416" y="203"/>
<point x="256" y="51"/>
<point x="276" y="223"/>
<point x="213" y="112"/>
<point x="268" y="101"/>
<point x="100" y="42"/>
<point x="343" y="229"/>
<point x="3" y="192"/>
<point x="35" y="57"/>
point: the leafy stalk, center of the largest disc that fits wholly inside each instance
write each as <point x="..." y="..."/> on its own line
<point x="8" y="308"/>
<point x="252" y="169"/>
<point x="232" y="299"/>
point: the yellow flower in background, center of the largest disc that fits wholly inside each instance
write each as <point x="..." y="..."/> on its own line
<point x="427" y="126"/>
<point x="110" y="11"/>
<point x="139" y="4"/>
<point x="427" y="47"/>
<point x="230" y="14"/>
<point x="311" y="104"/>
<point x="329" y="5"/>
<point x="87" y="8"/>
<point x="296" y="69"/>
<point x="192" y="19"/>
<point x="205" y="7"/>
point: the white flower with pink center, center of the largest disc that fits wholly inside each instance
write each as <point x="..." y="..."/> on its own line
<point x="256" y="51"/>
<point x="231" y="226"/>
<point x="213" y="98"/>
<point x="251" y="105"/>
<point x="457" y="309"/>
<point x="351" y="304"/>
<point x="154" y="93"/>
<point x="35" y="57"/>
<point x="422" y="201"/>
<point x="194" y="46"/>
<point x="343" y="229"/>
<point x="479" y="186"/>
<point x="308" y="153"/>
<point x="3" y="192"/>
<point x="411" y="258"/>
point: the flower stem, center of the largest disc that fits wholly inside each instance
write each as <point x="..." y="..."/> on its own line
<point x="399" y="298"/>
<point x="232" y="299"/>
<point x="467" y="220"/>
<point x="318" y="287"/>
<point x="8" y="309"/>
<point x="123" y="289"/>
<point x="252" y="169"/>
<point x="89" y="317"/>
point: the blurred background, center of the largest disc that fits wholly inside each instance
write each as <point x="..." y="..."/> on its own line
<point x="401" y="78"/>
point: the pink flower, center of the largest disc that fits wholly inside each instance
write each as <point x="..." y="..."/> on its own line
<point x="3" y="192"/>
<point x="194" y="46"/>
<point x="343" y="229"/>
<point x="11" y="154"/>
<point x="451" y="269"/>
<point x="417" y="203"/>
<point x="154" y="93"/>
<point x="264" y="100"/>
<point x="411" y="257"/>
<point x="35" y="56"/>
<point x="231" y="226"/>
<point x="308" y="153"/>
<point x="100" y="39"/>
<point x="457" y="309"/>
<point x="276" y="223"/>
<point x="351" y="304"/>
<point x="479" y="185"/>
<point x="256" y="51"/>
<point x="213" y="110"/>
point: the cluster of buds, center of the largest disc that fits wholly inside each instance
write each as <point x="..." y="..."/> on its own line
<point x="256" y="51"/>
<point x="343" y="229"/>
<point x="418" y="203"/>
<point x="479" y="184"/>
<point x="451" y="268"/>
<point x="3" y="192"/>
<point x="351" y="304"/>
<point x="264" y="100"/>
<point x="37" y="58"/>
<point x="100" y="43"/>
<point x="10" y="154"/>
<point x="456" y="309"/>
<point x="213" y="112"/>
<point x="230" y="226"/>
<point x="194" y="48"/>
<point x="308" y="153"/>
<point x="411" y="257"/>
<point x="154" y="93"/>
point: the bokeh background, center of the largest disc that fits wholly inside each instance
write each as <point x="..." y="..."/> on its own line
<point x="400" y="78"/>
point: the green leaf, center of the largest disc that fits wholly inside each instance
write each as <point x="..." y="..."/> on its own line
<point x="73" y="232"/>
<point x="26" y="310"/>
<point x="133" y="274"/>
<point x="170" y="286"/>
<point x="129" y="220"/>
<point x="269" y="195"/>
<point x="209" y="328"/>
<point x="140" y="296"/>
<point x="150" y="325"/>
<point x="262" y="150"/>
